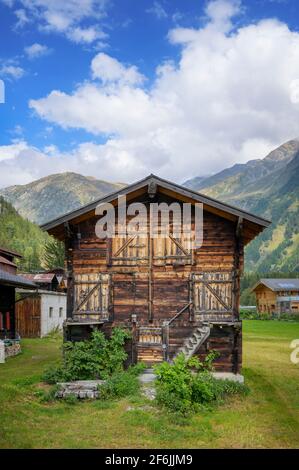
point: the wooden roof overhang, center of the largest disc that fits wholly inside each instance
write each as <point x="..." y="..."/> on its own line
<point x="10" y="253"/>
<point x="250" y="224"/>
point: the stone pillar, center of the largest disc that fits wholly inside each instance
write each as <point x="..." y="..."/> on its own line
<point x="2" y="352"/>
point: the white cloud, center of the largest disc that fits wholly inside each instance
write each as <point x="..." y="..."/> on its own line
<point x="11" y="70"/>
<point x="36" y="50"/>
<point x="108" y="69"/>
<point x="227" y="99"/>
<point x="21" y="17"/>
<point x="220" y="12"/>
<point x="64" y="17"/>
<point x="10" y="152"/>
<point x="158" y="10"/>
<point x="85" y="35"/>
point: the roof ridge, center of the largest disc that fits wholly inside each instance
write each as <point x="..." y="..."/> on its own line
<point x="176" y="187"/>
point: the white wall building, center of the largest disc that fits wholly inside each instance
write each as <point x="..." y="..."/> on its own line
<point x="39" y="312"/>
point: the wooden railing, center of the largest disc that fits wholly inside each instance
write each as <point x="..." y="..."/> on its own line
<point x="166" y="326"/>
<point x="149" y="335"/>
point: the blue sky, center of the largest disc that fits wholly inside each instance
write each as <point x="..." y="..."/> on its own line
<point x="119" y="89"/>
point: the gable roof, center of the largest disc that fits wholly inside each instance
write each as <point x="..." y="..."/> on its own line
<point x="15" y="280"/>
<point x="277" y="285"/>
<point x="258" y="223"/>
<point x="40" y="278"/>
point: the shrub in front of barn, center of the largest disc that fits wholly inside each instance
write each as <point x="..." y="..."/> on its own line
<point x="97" y="358"/>
<point x="186" y="386"/>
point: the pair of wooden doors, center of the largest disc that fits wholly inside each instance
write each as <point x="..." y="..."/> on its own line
<point x="130" y="284"/>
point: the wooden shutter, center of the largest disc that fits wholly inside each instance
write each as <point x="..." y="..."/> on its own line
<point x="92" y="295"/>
<point x="130" y="251"/>
<point x="170" y="250"/>
<point x="213" y="292"/>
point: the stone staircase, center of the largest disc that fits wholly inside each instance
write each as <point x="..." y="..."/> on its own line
<point x="194" y="341"/>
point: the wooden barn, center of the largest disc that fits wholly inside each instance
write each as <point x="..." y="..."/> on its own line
<point x="171" y="297"/>
<point x="277" y="296"/>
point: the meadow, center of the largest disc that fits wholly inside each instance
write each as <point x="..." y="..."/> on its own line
<point x="267" y="418"/>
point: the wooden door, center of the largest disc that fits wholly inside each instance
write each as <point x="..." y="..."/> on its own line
<point x="213" y="294"/>
<point x="92" y="296"/>
<point x="28" y="317"/>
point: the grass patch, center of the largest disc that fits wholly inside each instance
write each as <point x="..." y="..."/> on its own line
<point x="267" y="418"/>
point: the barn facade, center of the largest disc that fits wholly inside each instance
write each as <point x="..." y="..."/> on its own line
<point x="173" y="296"/>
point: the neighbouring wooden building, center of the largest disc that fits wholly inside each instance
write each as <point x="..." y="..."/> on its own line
<point x="171" y="297"/>
<point x="277" y="296"/>
<point x="39" y="312"/>
<point x="9" y="281"/>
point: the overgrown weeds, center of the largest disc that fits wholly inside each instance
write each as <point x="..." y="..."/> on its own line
<point x="122" y="384"/>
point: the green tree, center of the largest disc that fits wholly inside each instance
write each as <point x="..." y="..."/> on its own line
<point x="54" y="254"/>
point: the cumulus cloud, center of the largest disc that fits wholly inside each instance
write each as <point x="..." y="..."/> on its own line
<point x="36" y="50"/>
<point x="220" y="13"/>
<point x="108" y="69"/>
<point x="64" y="17"/>
<point x="22" y="163"/>
<point x="228" y="99"/>
<point x="10" y="69"/>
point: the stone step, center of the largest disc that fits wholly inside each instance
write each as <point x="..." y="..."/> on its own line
<point x="79" y="388"/>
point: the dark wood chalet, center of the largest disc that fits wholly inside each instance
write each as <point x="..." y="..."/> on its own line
<point x="171" y="297"/>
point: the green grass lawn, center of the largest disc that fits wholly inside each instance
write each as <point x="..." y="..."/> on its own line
<point x="268" y="417"/>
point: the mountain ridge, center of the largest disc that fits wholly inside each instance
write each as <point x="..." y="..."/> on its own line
<point x="268" y="187"/>
<point x="69" y="190"/>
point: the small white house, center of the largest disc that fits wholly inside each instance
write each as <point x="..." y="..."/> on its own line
<point x="39" y="312"/>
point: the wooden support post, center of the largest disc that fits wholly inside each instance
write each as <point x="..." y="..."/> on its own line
<point x="238" y="253"/>
<point x="165" y="340"/>
<point x="150" y="280"/>
<point x="69" y="268"/>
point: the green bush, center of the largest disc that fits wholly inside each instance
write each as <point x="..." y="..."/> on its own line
<point x="96" y="358"/>
<point x="121" y="384"/>
<point x="53" y="374"/>
<point x="185" y="386"/>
